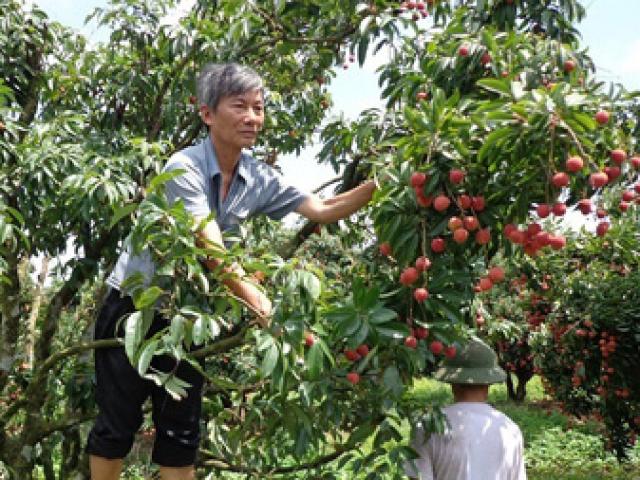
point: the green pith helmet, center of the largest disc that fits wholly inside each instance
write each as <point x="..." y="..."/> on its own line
<point x="475" y="364"/>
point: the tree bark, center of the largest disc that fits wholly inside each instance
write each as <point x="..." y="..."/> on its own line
<point x="10" y="314"/>
<point x="510" y="390"/>
<point x="521" y="389"/>
<point x="46" y="460"/>
<point x="35" y="309"/>
<point x="72" y="453"/>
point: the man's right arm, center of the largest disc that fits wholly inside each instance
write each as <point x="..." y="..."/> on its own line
<point x="210" y="235"/>
<point x="189" y="187"/>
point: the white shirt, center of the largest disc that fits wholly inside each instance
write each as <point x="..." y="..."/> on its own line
<point x="481" y="443"/>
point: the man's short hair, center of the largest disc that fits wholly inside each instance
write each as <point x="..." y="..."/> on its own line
<point x="218" y="80"/>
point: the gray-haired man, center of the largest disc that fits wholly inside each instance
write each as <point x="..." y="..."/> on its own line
<point x="219" y="178"/>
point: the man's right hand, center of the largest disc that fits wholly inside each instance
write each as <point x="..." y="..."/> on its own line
<point x="237" y="283"/>
<point x="262" y="306"/>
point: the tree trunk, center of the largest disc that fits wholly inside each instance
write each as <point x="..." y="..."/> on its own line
<point x="22" y="467"/>
<point x="46" y="459"/>
<point x="72" y="465"/>
<point x="10" y="314"/>
<point x="521" y="389"/>
<point x="510" y="390"/>
<point x="35" y="309"/>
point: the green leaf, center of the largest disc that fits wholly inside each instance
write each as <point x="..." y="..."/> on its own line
<point x="214" y="327"/>
<point x="145" y="356"/>
<point x="147" y="298"/>
<point x="363" y="45"/>
<point x="360" y="335"/>
<point x="491" y="140"/>
<point x="361" y="433"/>
<point x="133" y="282"/>
<point x="449" y="312"/>
<point x="199" y="330"/>
<point x="311" y="284"/>
<point x="395" y="330"/>
<point x="164" y="178"/>
<point x="176" y="387"/>
<point x="327" y="351"/>
<point x="369" y="298"/>
<point x="315" y="361"/>
<point x="391" y="379"/>
<point x="359" y="291"/>
<point x="585" y="120"/>
<point x="223" y="383"/>
<point x="488" y="38"/>
<point x="381" y="315"/>
<point x="270" y="360"/>
<point x="132" y="334"/>
<point x="346" y="321"/>
<point x="495" y="85"/>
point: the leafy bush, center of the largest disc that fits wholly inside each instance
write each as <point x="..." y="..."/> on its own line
<point x="588" y="349"/>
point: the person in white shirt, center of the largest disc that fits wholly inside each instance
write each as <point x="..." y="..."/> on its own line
<point x="479" y="442"/>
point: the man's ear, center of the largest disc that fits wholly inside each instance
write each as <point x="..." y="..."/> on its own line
<point x="206" y="115"/>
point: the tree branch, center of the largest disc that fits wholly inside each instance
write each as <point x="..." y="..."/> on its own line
<point x="274" y="26"/>
<point x="222" y="464"/>
<point x="35" y="309"/>
<point x="223" y="345"/>
<point x="10" y="315"/>
<point x="351" y="178"/>
<point x="156" y="110"/>
<point x="327" y="184"/>
<point x="322" y="40"/>
<point x="30" y="105"/>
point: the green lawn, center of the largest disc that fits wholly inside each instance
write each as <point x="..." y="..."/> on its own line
<point x="554" y="449"/>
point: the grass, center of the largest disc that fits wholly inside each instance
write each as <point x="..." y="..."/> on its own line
<point x="555" y="447"/>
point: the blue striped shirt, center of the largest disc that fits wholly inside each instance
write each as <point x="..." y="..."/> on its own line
<point x="256" y="188"/>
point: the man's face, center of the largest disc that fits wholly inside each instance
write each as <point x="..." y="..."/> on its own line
<point x="236" y="121"/>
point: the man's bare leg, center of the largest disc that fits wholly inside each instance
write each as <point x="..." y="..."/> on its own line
<point x="105" y="468"/>
<point x="177" y="473"/>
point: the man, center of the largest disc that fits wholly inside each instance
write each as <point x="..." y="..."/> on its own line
<point x="219" y="178"/>
<point x="479" y="443"/>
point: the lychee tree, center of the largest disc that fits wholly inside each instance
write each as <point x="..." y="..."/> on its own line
<point x="483" y="114"/>
<point x="497" y="133"/>
<point x="488" y="142"/>
<point x="584" y="350"/>
<point x="506" y="316"/>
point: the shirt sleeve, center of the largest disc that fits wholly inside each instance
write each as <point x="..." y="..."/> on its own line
<point x="279" y="198"/>
<point x="188" y="187"/>
<point x="519" y="472"/>
<point x="421" y="467"/>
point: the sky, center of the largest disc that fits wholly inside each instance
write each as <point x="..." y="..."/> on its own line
<point x="610" y="33"/>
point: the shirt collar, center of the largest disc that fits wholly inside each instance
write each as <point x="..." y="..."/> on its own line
<point x="213" y="167"/>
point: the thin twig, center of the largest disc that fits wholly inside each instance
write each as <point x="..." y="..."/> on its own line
<point x="222" y="464"/>
<point x="327" y="184"/>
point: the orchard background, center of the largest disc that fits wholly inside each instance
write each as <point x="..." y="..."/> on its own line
<point x="492" y="125"/>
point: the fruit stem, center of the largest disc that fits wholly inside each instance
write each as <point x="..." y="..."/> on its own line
<point x="411" y="300"/>
<point x="577" y="143"/>
<point x="552" y="131"/>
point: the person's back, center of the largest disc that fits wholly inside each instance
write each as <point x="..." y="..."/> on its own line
<point x="480" y="443"/>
